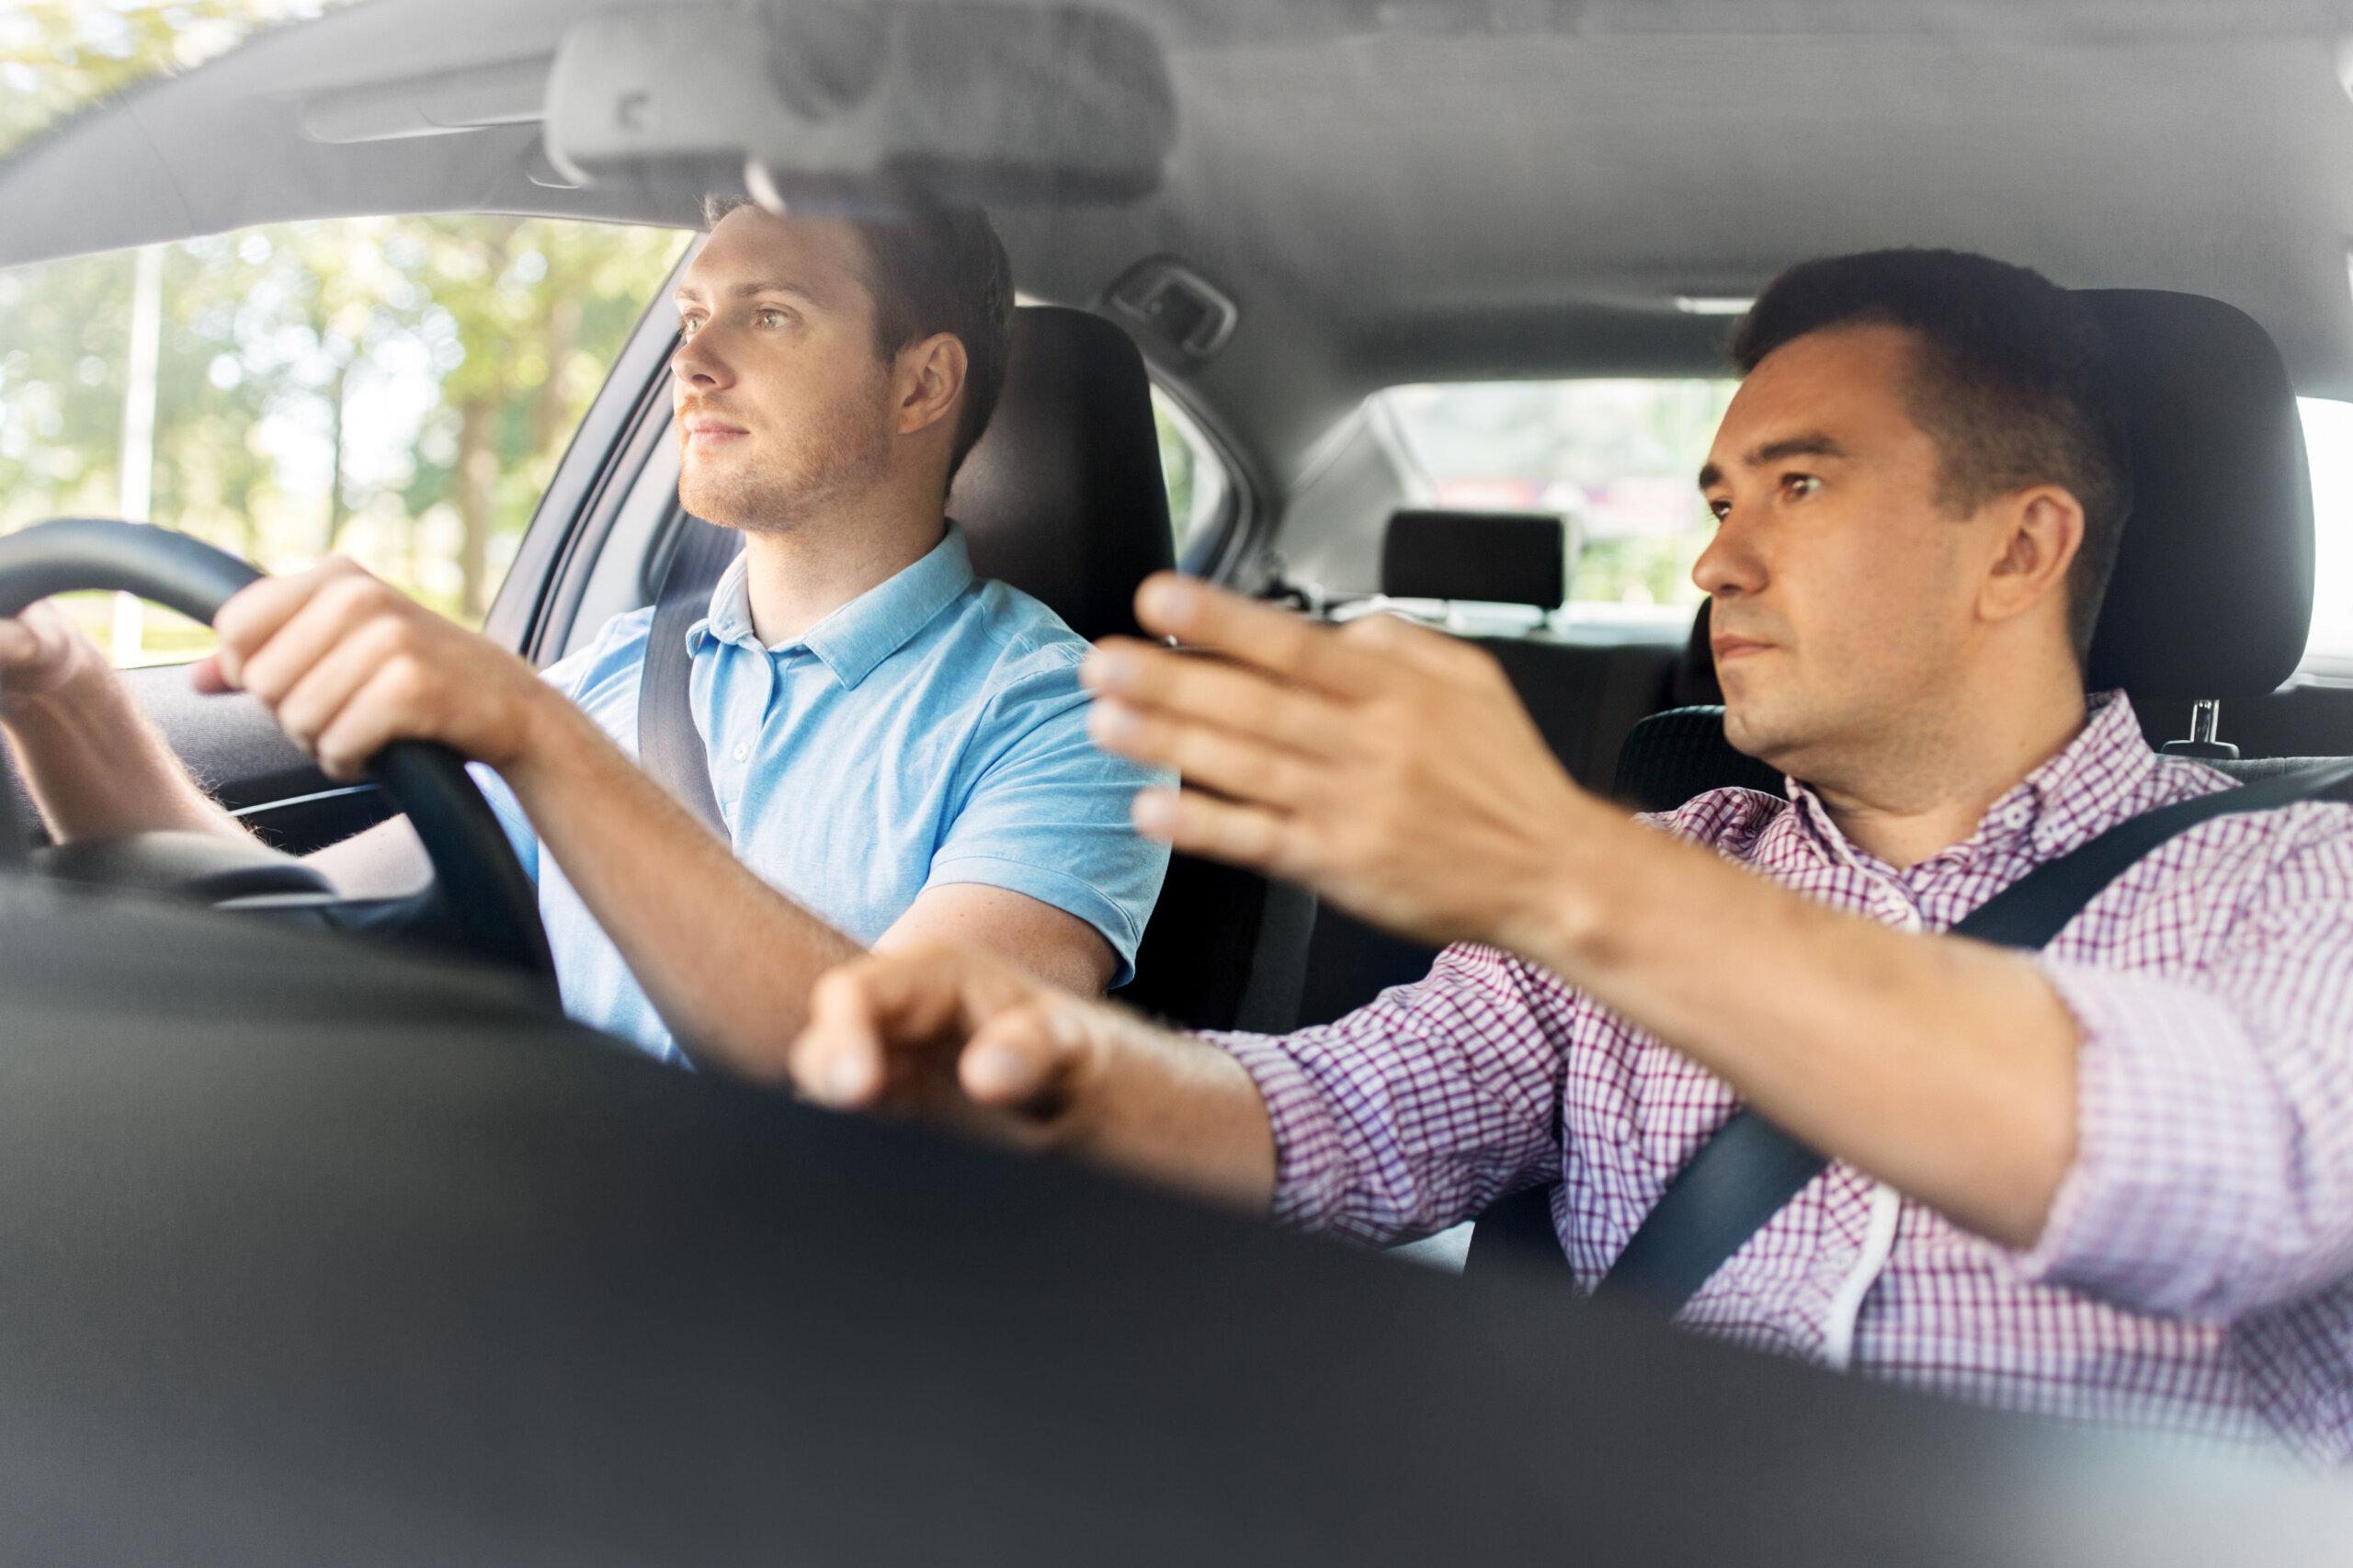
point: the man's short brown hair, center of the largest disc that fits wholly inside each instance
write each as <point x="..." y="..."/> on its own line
<point x="2011" y="383"/>
<point x="936" y="270"/>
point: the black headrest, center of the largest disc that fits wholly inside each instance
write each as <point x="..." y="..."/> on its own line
<point x="1064" y="496"/>
<point x="2213" y="594"/>
<point x="1512" y="558"/>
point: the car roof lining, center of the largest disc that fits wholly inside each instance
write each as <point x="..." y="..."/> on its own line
<point x="1401" y="192"/>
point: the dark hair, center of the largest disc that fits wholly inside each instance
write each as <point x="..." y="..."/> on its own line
<point x="936" y="270"/>
<point x="2010" y="382"/>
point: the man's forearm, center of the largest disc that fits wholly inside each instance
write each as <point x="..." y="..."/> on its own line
<point x="726" y="958"/>
<point x="1179" y="1112"/>
<point x="97" y="765"/>
<point x="942" y="1031"/>
<point x="1943" y="1066"/>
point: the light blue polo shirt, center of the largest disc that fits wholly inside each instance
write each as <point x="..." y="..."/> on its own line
<point x="930" y="731"/>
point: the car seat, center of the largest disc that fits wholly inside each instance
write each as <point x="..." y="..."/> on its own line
<point x="1064" y="499"/>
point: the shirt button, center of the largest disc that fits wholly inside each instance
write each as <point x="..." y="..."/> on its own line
<point x="743" y="751"/>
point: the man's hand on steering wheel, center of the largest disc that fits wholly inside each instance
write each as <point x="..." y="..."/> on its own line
<point x="41" y="651"/>
<point x="96" y="765"/>
<point x="347" y="664"/>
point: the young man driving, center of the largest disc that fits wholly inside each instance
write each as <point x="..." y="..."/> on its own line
<point x="2112" y="1180"/>
<point x="897" y="746"/>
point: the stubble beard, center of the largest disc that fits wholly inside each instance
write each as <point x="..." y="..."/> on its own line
<point x="1862" y="740"/>
<point x="843" y="455"/>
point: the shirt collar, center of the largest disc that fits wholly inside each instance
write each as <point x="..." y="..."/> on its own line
<point x="862" y="633"/>
<point x="2084" y="789"/>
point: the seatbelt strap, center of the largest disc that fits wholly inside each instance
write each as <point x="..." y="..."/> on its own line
<point x="1750" y="1169"/>
<point x="668" y="745"/>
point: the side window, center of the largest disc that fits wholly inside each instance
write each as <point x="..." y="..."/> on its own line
<point x="2328" y="446"/>
<point x="397" y="388"/>
<point x="1199" y="490"/>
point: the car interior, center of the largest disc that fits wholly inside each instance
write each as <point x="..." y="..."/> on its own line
<point x="1345" y="197"/>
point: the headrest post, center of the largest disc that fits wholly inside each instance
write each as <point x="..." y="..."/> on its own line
<point x="2205" y="719"/>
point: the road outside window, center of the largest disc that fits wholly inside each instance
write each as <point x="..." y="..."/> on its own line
<point x="395" y="389"/>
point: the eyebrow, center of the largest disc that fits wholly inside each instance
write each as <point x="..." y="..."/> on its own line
<point x="1812" y="445"/>
<point x="748" y="290"/>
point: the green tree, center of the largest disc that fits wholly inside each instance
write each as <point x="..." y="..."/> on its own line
<point x="61" y="56"/>
<point x="536" y="311"/>
<point x="501" y="329"/>
<point x="273" y="332"/>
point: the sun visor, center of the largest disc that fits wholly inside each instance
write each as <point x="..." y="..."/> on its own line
<point x="861" y="107"/>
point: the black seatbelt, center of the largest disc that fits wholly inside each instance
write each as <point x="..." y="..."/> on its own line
<point x="668" y="745"/>
<point x="1743" y="1176"/>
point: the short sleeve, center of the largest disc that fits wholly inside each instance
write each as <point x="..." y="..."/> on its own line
<point x="1042" y="811"/>
<point x="566" y="676"/>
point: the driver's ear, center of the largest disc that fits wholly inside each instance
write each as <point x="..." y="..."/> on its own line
<point x="2039" y="531"/>
<point x="930" y="375"/>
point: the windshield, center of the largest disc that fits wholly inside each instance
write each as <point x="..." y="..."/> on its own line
<point x="395" y="389"/>
<point x="58" y="57"/>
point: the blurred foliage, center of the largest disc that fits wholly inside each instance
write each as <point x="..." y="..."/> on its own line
<point x="1653" y="570"/>
<point x="401" y="389"/>
<point x="398" y="388"/>
<point x="1175" y="464"/>
<point x="1618" y="455"/>
<point x="1178" y="462"/>
<point x="60" y="56"/>
<point x="536" y="310"/>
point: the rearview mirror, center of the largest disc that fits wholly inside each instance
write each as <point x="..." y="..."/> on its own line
<point x="843" y="106"/>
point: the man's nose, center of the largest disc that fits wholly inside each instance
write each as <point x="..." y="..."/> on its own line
<point x="697" y="363"/>
<point x="1733" y="562"/>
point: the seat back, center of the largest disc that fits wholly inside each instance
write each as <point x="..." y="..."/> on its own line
<point x="1064" y="498"/>
<point x="2213" y="594"/>
<point x="1670" y="757"/>
<point x="1517" y="558"/>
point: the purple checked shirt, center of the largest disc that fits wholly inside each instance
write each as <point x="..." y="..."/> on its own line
<point x="2195" y="1270"/>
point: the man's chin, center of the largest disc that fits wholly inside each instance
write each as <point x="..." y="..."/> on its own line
<point x="1753" y="729"/>
<point x="729" y="500"/>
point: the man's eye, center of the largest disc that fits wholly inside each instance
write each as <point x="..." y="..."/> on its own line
<point x="690" y="326"/>
<point x="1798" y="486"/>
<point x="771" y="318"/>
<point x="1719" y="508"/>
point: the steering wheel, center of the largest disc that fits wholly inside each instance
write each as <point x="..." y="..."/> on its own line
<point x="482" y="902"/>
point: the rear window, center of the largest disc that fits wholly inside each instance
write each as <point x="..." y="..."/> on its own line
<point x="1618" y="457"/>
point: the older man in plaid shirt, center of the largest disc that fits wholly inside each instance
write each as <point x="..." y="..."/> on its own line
<point x="2112" y="1180"/>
